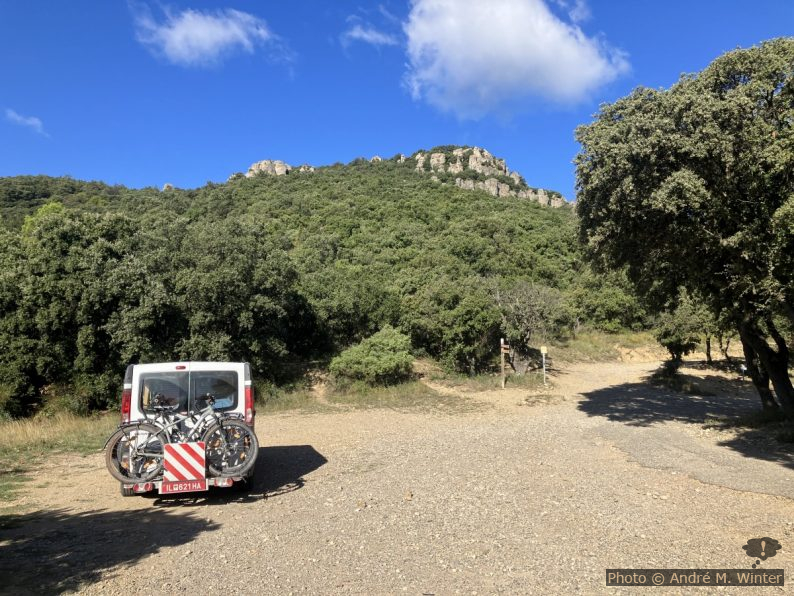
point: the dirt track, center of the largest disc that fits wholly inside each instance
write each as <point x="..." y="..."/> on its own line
<point x="502" y="497"/>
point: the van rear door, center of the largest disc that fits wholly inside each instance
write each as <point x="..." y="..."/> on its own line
<point x="184" y="383"/>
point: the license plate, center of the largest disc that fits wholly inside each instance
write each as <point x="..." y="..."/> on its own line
<point x="182" y="486"/>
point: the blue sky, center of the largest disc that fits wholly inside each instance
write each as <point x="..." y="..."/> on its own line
<point x="143" y="93"/>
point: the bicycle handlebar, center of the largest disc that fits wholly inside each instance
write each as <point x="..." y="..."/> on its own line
<point x="161" y="403"/>
<point x="208" y="397"/>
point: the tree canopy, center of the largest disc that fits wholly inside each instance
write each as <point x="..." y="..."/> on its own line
<point x="693" y="187"/>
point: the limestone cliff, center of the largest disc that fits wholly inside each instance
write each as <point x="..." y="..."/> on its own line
<point x="275" y="167"/>
<point x="473" y="168"/>
<point x="470" y="168"/>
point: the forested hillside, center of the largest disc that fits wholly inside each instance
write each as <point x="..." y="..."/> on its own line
<point x="273" y="269"/>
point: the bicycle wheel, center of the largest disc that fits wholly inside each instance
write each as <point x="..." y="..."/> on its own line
<point x="231" y="448"/>
<point x="134" y="453"/>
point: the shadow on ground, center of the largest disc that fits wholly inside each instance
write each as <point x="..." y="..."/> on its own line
<point x="279" y="470"/>
<point x="50" y="552"/>
<point x="723" y="403"/>
<point x="641" y="404"/>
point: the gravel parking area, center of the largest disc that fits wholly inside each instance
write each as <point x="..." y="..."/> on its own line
<point x="502" y="498"/>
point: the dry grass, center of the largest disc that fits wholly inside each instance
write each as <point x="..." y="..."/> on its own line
<point x="489" y="382"/>
<point x="596" y="346"/>
<point x="24" y="442"/>
<point x="303" y="400"/>
<point x="62" y="431"/>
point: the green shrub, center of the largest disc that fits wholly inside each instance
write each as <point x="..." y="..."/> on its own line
<point x="680" y="330"/>
<point x="92" y="392"/>
<point x="675" y="336"/>
<point x="85" y="394"/>
<point x="381" y="359"/>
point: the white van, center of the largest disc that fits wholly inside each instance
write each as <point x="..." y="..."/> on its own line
<point x="184" y="386"/>
<point x="182" y="382"/>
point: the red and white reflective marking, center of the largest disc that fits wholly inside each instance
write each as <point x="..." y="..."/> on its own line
<point x="184" y="468"/>
<point x="184" y="461"/>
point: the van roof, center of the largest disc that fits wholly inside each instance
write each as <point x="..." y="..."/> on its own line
<point x="186" y="365"/>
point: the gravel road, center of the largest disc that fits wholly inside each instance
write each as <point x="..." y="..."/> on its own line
<point x="503" y="497"/>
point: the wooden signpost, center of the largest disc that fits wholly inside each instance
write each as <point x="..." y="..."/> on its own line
<point x="505" y="349"/>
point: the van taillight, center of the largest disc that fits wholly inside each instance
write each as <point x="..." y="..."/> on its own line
<point x="126" y="405"/>
<point x="249" y="404"/>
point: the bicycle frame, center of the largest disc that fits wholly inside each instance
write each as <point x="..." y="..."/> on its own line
<point x="163" y="421"/>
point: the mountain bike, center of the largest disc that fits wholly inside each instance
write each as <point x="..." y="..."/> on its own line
<point x="135" y="451"/>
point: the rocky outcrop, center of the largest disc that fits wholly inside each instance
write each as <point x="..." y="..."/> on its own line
<point x="483" y="162"/>
<point x="470" y="168"/>
<point x="543" y="198"/>
<point x="273" y="167"/>
<point x="500" y="189"/>
<point x="420" y="161"/>
<point x="437" y="161"/>
<point x="474" y="168"/>
<point x="455" y="167"/>
<point x="489" y="185"/>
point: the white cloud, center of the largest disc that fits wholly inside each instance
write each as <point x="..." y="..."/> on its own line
<point x="578" y="11"/>
<point x="201" y="38"/>
<point x="31" y="122"/>
<point x="471" y="57"/>
<point x="369" y="35"/>
<point x="387" y="14"/>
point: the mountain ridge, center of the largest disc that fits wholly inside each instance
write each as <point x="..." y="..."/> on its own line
<point x="467" y="167"/>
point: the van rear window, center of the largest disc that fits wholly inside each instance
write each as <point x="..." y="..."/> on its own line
<point x="221" y="384"/>
<point x="184" y="389"/>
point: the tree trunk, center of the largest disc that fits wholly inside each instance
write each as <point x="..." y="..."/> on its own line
<point x="774" y="363"/>
<point x="759" y="377"/>
<point x="724" y="349"/>
<point x="709" y="361"/>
